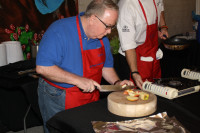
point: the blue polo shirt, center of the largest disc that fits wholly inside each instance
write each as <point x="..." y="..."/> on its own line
<point x="60" y="46"/>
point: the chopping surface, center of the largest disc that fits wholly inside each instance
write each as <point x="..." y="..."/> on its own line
<point x="118" y="104"/>
<point x="120" y="98"/>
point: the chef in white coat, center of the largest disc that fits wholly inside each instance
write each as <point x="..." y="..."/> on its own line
<point x="140" y="23"/>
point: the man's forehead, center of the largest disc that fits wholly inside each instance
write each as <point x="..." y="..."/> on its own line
<point x="109" y="13"/>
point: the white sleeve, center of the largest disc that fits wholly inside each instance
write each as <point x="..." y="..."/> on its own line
<point x="162" y="5"/>
<point x="126" y="26"/>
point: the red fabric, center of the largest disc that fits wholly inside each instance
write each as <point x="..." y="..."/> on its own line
<point x="93" y="61"/>
<point x="149" y="70"/>
<point x="74" y="96"/>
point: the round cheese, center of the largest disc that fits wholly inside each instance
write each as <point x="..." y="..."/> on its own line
<point x="119" y="105"/>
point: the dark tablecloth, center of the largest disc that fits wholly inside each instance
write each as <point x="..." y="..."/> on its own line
<point x="78" y="120"/>
<point x="186" y="109"/>
<point x="16" y="94"/>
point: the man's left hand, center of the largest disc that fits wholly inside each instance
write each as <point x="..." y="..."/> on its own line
<point x="163" y="34"/>
<point x="127" y="82"/>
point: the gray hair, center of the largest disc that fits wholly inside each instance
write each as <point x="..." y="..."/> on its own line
<point x="98" y="7"/>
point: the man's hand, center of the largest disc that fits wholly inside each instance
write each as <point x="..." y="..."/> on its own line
<point x="138" y="80"/>
<point x="127" y="82"/>
<point x="87" y="85"/>
<point x="163" y="34"/>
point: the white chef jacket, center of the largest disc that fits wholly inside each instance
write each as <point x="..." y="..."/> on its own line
<point x="132" y="24"/>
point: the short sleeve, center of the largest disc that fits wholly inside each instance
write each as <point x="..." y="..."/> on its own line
<point x="126" y="27"/>
<point x="109" y="57"/>
<point x="50" y="49"/>
<point x="162" y="5"/>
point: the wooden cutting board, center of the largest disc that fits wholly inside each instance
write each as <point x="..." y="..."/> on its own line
<point x="119" y="105"/>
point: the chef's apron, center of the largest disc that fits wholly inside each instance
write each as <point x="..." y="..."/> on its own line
<point x="147" y="64"/>
<point x="93" y="61"/>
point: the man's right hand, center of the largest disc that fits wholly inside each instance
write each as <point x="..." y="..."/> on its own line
<point x="87" y="85"/>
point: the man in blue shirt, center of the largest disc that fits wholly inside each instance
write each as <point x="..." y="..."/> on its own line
<point x="73" y="56"/>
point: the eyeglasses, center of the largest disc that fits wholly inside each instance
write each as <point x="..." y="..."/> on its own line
<point x="107" y="26"/>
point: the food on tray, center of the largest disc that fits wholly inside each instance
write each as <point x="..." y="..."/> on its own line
<point x="128" y="90"/>
<point x="131" y="98"/>
<point x="141" y="94"/>
<point x="124" y="86"/>
<point x="133" y="94"/>
<point x="144" y="96"/>
<point x="125" y="92"/>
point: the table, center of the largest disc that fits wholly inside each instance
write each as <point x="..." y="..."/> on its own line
<point x="78" y="120"/>
<point x="16" y="94"/>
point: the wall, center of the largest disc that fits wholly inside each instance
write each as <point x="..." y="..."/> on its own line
<point x="198" y="7"/>
<point x="83" y="4"/>
<point x="178" y="14"/>
<point x="21" y="12"/>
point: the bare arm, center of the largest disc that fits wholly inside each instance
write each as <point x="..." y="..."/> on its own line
<point x="111" y="76"/>
<point x="163" y="31"/>
<point x="54" y="73"/>
<point x="162" y="19"/>
<point x="131" y="59"/>
<point x="132" y="62"/>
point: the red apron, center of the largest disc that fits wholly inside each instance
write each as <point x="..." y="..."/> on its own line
<point x="149" y="69"/>
<point x="93" y="61"/>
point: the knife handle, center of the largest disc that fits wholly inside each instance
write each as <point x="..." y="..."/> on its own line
<point x="94" y="87"/>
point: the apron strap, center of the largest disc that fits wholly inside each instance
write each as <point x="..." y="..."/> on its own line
<point x="145" y="12"/>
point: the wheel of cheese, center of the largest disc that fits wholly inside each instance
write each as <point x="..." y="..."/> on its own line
<point x="118" y="104"/>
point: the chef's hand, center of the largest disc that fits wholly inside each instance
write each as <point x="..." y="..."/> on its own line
<point x="163" y="34"/>
<point x="138" y="80"/>
<point x="127" y="82"/>
<point x="87" y="85"/>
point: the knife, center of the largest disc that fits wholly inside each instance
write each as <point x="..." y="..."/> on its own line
<point x="110" y="88"/>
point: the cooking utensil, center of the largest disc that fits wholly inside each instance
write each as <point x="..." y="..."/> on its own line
<point x="110" y="88"/>
<point x="165" y="36"/>
<point x="177" y="42"/>
<point x="26" y="71"/>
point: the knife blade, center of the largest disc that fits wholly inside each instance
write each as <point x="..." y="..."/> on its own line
<point x="110" y="88"/>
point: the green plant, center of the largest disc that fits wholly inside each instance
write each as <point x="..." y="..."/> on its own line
<point x="114" y="43"/>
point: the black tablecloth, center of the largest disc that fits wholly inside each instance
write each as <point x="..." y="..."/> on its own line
<point x="78" y="120"/>
<point x="186" y="109"/>
<point x="16" y="94"/>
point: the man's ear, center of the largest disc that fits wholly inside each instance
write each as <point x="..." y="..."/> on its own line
<point x="92" y="19"/>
